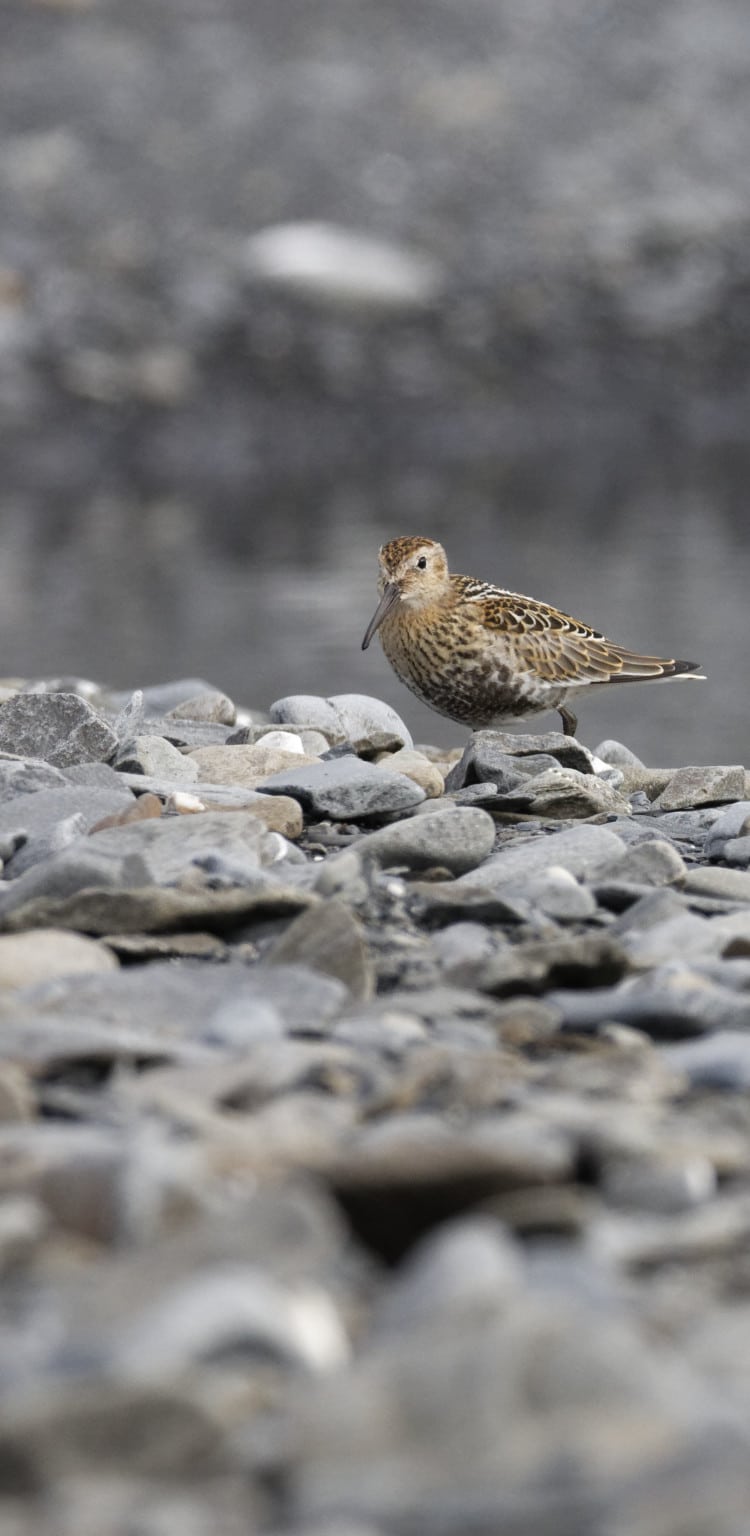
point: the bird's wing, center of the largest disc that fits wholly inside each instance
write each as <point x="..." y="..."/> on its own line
<point x="557" y="648"/>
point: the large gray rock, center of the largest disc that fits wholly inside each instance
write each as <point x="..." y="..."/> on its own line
<point x="346" y="789"/>
<point x="582" y="851"/>
<point x="42" y="824"/>
<point x="60" y="728"/>
<point x="369" y="724"/>
<point x="456" y="839"/>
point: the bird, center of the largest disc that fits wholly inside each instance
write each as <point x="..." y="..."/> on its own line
<point x="483" y="656"/>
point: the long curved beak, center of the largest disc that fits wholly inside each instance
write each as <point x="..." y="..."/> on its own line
<point x="390" y="596"/>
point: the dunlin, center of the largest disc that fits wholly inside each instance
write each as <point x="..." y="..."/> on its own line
<point x="484" y="656"/>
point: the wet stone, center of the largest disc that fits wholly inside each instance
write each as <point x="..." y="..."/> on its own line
<point x="60" y="728"/>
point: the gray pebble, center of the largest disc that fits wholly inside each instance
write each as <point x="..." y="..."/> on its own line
<point x="582" y="851"/>
<point x="156" y="757"/>
<point x="720" y="1060"/>
<point x="728" y="824"/>
<point x="346" y="789"/>
<point x="457" y="839"/>
<point x="615" y="752"/>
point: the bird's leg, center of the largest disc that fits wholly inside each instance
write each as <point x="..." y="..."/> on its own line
<point x="569" y="721"/>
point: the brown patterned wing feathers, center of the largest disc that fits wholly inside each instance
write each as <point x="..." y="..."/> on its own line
<point x="560" y="649"/>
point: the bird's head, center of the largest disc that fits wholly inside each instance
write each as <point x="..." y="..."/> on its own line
<point x="413" y="572"/>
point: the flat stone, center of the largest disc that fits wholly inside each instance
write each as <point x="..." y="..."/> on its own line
<point x="104" y="910"/>
<point x="44" y="953"/>
<point x="457" y="840"/>
<point x="346" y="789"/>
<point x="248" y="766"/>
<point x="60" y="728"/>
<point x="690" y="787"/>
<point x="670" y="1003"/>
<point x="329" y="939"/>
<point x="720" y="1060"/>
<point x="41" y="824"/>
<point x="417" y="767"/>
<point x="652" y="862"/>
<point x="730" y="884"/>
<point x="555" y="893"/>
<point x="582" y="851"/>
<point x="154" y="756"/>
<point x="26" y="775"/>
<point x="590" y="959"/>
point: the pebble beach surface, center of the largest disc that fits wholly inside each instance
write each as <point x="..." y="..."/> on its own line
<point x="374" y="1126"/>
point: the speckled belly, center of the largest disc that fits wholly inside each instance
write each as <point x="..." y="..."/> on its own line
<point x="475" y="690"/>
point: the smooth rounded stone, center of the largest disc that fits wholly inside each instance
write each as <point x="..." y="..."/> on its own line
<point x="279" y="813"/>
<point x="582" y="851"/>
<point x="554" y="893"/>
<point x="286" y="741"/>
<point x="329" y="939"/>
<point x="672" y="1180"/>
<point x="652" y="861"/>
<point x="342" y="875"/>
<point x="730" y="823"/>
<point x="353" y="717"/>
<point x="592" y="959"/>
<point x="454" y="839"/>
<point x="720" y="1060"/>
<point x="449" y="901"/>
<point x="365" y="720"/>
<point x="461" y="950"/>
<point x="212" y="706"/>
<point x="465" y="1266"/>
<point x="232" y="1310"/>
<point x="669" y="1003"/>
<point x="737" y="851"/>
<point x="42" y="824"/>
<point x="247" y="766"/>
<point x="154" y="756"/>
<point x="60" y="728"/>
<point x="416" y="766"/>
<point x="26" y="775"/>
<point x="40" y="954"/>
<point x="691" y="787"/>
<point x="617" y="755"/>
<point x="730" y="884"/>
<point x="345" y="789"/>
<point x="658" y="928"/>
<point x="564" y="794"/>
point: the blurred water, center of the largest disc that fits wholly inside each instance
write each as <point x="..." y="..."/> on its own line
<point x="643" y="536"/>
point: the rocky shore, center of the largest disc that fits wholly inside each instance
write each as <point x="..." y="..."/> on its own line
<point x="374" y="1126"/>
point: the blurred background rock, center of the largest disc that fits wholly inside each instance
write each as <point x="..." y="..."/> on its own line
<point x="279" y="281"/>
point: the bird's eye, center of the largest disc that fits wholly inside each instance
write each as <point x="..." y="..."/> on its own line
<point x="422" y="563"/>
